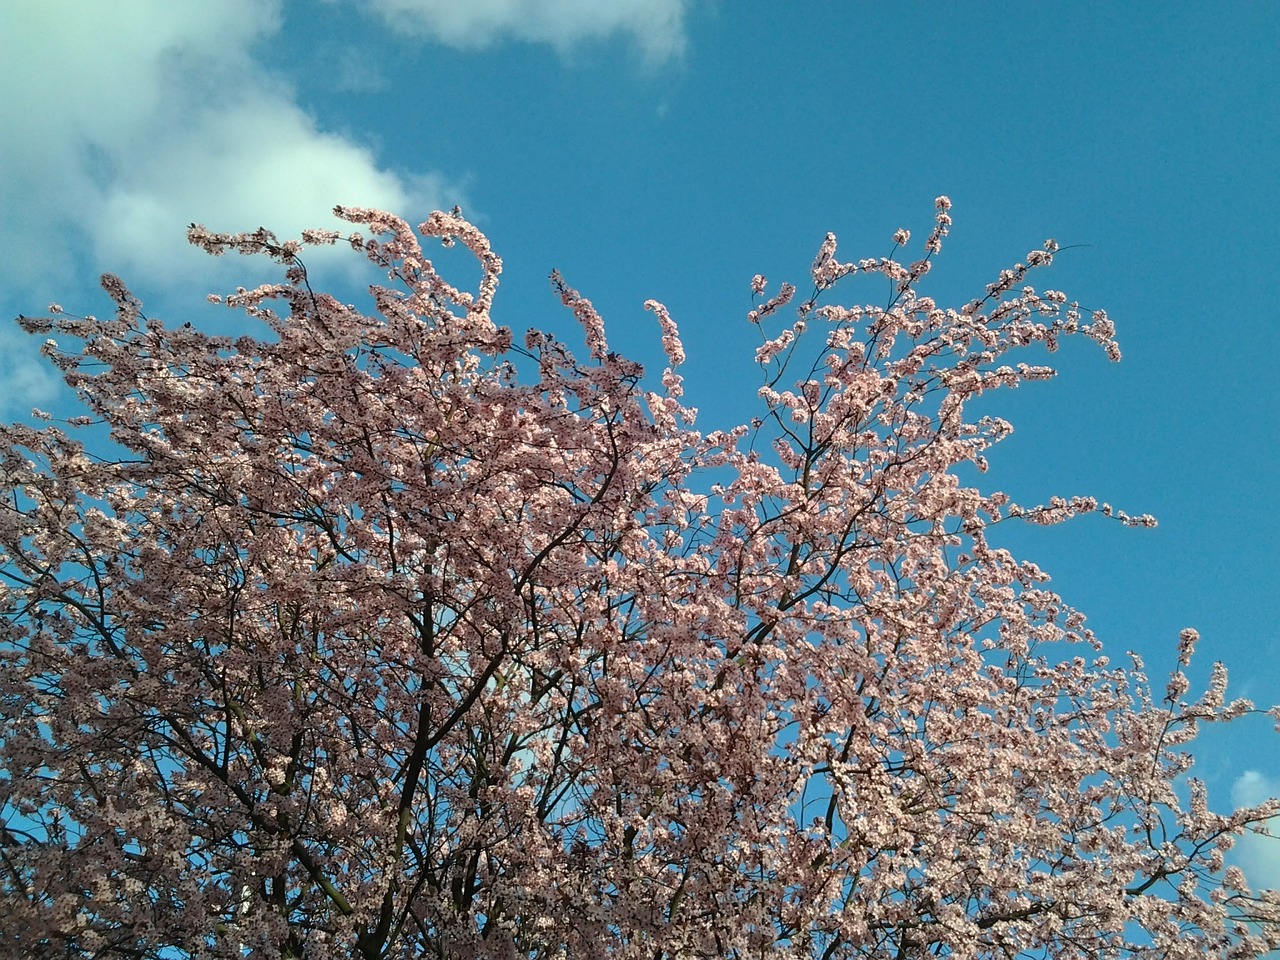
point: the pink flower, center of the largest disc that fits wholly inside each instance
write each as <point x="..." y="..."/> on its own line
<point x="371" y="632"/>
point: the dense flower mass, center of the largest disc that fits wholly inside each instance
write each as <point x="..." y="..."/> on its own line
<point x="385" y="635"/>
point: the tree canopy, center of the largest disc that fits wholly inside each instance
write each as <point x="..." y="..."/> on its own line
<point x="381" y="634"/>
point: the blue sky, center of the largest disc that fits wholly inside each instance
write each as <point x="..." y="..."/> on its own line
<point x="674" y="148"/>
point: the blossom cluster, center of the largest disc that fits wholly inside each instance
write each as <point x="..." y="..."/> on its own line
<point x="375" y="635"/>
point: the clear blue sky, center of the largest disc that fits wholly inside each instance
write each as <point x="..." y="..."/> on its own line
<point x="674" y="148"/>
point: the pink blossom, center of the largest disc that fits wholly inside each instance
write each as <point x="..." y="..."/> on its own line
<point x="372" y="634"/>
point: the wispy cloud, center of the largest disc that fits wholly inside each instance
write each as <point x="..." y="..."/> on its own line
<point x="656" y="26"/>
<point x="125" y="122"/>
<point x="1257" y="856"/>
<point x="27" y="380"/>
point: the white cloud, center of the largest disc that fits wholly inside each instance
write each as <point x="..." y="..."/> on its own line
<point x="657" y="26"/>
<point x="125" y="122"/>
<point x="259" y="162"/>
<point x="26" y="379"/>
<point x="1257" y="856"/>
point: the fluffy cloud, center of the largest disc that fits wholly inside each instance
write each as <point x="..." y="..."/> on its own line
<point x="657" y="26"/>
<point x="125" y="122"/>
<point x="1258" y="856"/>
<point x="27" y="380"/>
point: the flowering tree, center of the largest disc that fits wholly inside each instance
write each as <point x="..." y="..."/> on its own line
<point x="384" y="637"/>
